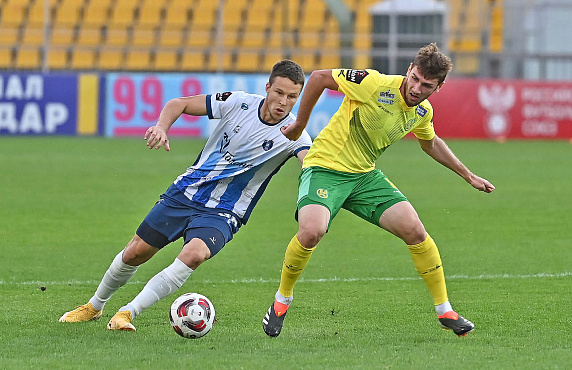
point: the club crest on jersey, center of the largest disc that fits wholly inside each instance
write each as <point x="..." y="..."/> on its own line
<point x="223" y="96"/>
<point x="421" y="111"/>
<point x="267" y="145"/>
<point x="322" y="193"/>
<point x="409" y="124"/>
<point x="244" y="106"/>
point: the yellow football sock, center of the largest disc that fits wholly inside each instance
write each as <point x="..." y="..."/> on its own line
<point x="295" y="260"/>
<point x="428" y="264"/>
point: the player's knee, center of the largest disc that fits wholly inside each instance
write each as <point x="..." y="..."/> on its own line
<point x="194" y="253"/>
<point x="309" y="237"/>
<point x="414" y="234"/>
<point x="137" y="252"/>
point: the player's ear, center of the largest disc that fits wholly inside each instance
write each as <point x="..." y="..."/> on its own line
<point x="268" y="87"/>
<point x="439" y="86"/>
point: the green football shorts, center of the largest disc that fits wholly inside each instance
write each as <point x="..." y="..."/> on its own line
<point x="366" y="195"/>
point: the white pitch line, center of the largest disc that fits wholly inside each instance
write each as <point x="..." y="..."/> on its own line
<point x="325" y="280"/>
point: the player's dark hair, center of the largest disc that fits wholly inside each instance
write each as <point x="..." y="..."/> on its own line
<point x="432" y="63"/>
<point x="289" y="69"/>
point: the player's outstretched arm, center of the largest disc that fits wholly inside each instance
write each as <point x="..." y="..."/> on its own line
<point x="440" y="152"/>
<point x="318" y="81"/>
<point x="156" y="136"/>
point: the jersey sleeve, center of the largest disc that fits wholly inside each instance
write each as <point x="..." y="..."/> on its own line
<point x="356" y="84"/>
<point x="220" y="104"/>
<point x="424" y="130"/>
<point x="303" y="143"/>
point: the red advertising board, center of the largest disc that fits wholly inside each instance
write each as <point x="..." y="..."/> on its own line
<point x="499" y="109"/>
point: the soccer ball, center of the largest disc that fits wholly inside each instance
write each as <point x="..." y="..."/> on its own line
<point x="192" y="315"/>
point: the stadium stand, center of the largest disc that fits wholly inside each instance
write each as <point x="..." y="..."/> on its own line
<point x="184" y="35"/>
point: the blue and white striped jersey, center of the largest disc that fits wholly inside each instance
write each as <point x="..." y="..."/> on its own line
<point x="241" y="155"/>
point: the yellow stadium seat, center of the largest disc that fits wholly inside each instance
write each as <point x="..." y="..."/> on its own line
<point x="123" y="12"/>
<point x="27" y="58"/>
<point x="89" y="36"/>
<point x="82" y="59"/>
<point x="176" y="16"/>
<point x="13" y="14"/>
<point x="218" y="62"/>
<point x="110" y="59"/>
<point x="116" y="36"/>
<point x="95" y="14"/>
<point x="68" y="12"/>
<point x="193" y="61"/>
<point x="33" y="36"/>
<point x="247" y="62"/>
<point x="171" y="36"/>
<point x="8" y="36"/>
<point x="5" y="57"/>
<point x="143" y="37"/>
<point x="199" y="38"/>
<point x="138" y="60"/>
<point x="253" y="39"/>
<point x="165" y="61"/>
<point x="57" y="59"/>
<point x="36" y="14"/>
<point x="62" y="35"/>
<point x="150" y="14"/>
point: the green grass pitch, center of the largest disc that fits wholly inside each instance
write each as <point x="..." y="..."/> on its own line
<point x="68" y="205"/>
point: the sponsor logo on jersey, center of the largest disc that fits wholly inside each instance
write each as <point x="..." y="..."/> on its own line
<point x="385" y="110"/>
<point x="229" y="157"/>
<point x="386" y="97"/>
<point x="223" y="96"/>
<point x="244" y="106"/>
<point x="225" y="141"/>
<point x="356" y="76"/>
<point x="322" y="193"/>
<point x="421" y="111"/>
<point x="267" y="145"/>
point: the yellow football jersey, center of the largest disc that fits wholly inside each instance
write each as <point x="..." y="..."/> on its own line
<point x="372" y="116"/>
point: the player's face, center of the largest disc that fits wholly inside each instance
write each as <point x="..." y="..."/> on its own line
<point x="416" y="88"/>
<point x="280" y="99"/>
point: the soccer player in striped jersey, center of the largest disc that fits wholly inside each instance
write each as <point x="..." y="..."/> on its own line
<point x="215" y="196"/>
<point x="339" y="171"/>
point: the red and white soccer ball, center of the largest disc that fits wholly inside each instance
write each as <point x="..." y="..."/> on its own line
<point x="192" y="315"/>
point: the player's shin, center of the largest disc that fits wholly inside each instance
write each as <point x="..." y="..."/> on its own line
<point x="295" y="260"/>
<point x="428" y="264"/>
<point x="160" y="286"/>
<point x="117" y="275"/>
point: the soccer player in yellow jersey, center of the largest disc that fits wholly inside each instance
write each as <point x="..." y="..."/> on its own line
<point x="339" y="171"/>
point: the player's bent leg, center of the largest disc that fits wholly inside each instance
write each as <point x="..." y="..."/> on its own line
<point x="138" y="251"/>
<point x="122" y="268"/>
<point x="313" y="222"/>
<point x="402" y="221"/>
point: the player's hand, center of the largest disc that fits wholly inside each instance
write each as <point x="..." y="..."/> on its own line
<point x="481" y="184"/>
<point x="292" y="131"/>
<point x="156" y="138"/>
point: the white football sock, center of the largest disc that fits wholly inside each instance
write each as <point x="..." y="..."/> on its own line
<point x="115" y="277"/>
<point x="284" y="300"/>
<point x="160" y="286"/>
<point x="443" y="308"/>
